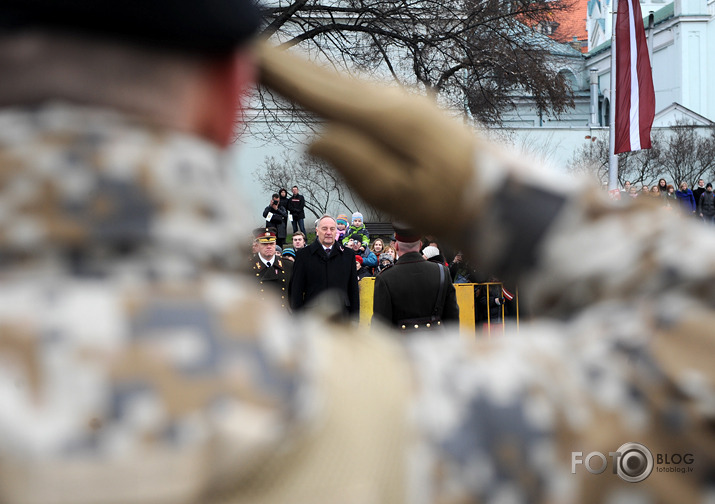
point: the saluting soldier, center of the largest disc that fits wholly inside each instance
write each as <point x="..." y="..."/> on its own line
<point x="414" y="294"/>
<point x="137" y="367"/>
<point x="271" y="271"/>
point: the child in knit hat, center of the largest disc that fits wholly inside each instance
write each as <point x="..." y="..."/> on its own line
<point x="342" y="221"/>
<point x="289" y="254"/>
<point x="357" y="231"/>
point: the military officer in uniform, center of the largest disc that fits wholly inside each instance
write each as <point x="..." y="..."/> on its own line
<point x="271" y="271"/>
<point x="415" y="294"/>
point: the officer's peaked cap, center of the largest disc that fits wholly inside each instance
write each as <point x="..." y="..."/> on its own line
<point x="203" y="26"/>
<point x="405" y="233"/>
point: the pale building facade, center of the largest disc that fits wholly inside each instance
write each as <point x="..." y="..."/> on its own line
<point x="682" y="40"/>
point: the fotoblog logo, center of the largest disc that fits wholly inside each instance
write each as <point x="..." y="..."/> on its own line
<point x="633" y="462"/>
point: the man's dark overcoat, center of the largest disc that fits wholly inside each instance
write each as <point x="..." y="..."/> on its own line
<point x="314" y="272"/>
<point x="407" y="292"/>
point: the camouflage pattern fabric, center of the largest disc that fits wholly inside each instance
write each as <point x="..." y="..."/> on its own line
<point x="136" y="366"/>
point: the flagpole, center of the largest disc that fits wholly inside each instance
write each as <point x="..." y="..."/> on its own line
<point x="613" y="158"/>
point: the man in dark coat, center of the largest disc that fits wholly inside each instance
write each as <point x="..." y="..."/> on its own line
<point x="296" y="207"/>
<point x="276" y="217"/>
<point x="325" y="265"/>
<point x="699" y="190"/>
<point x="414" y="293"/>
<point x="706" y="204"/>
<point x="271" y="272"/>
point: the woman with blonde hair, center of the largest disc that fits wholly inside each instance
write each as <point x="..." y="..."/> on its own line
<point x="377" y="246"/>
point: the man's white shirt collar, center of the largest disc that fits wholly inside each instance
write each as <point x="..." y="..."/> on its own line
<point x="265" y="261"/>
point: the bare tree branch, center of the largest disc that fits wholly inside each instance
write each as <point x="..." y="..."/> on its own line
<point x="478" y="54"/>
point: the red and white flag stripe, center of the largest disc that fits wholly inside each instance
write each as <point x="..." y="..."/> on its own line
<point x="507" y="295"/>
<point x="635" y="96"/>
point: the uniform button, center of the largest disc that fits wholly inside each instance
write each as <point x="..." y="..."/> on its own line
<point x="403" y="327"/>
<point x="283" y="288"/>
<point x="428" y="324"/>
<point x="261" y="290"/>
<point x="438" y="323"/>
<point x="417" y="326"/>
<point x="257" y="274"/>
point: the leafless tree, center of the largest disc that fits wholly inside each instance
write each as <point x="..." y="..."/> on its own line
<point x="592" y="159"/>
<point x="475" y="55"/>
<point x="324" y="190"/>
<point x="687" y="155"/>
<point x="681" y="154"/>
<point x="638" y="167"/>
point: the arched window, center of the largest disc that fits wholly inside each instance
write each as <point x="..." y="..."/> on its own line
<point x="570" y="79"/>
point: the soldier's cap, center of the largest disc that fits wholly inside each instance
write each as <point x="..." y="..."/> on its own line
<point x="265" y="235"/>
<point x="406" y="234"/>
<point x="202" y="26"/>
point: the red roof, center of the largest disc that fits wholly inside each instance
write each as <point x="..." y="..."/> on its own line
<point x="572" y="23"/>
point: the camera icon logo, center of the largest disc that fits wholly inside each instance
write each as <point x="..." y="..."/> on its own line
<point x="635" y="462"/>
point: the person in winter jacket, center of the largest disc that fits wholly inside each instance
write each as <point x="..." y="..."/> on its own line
<point x="706" y="205"/>
<point x="283" y="195"/>
<point x="276" y="217"/>
<point x="296" y="207"/>
<point x="385" y="261"/>
<point x="358" y="231"/>
<point x="362" y="271"/>
<point x="368" y="256"/>
<point x="686" y="198"/>
<point x="342" y="221"/>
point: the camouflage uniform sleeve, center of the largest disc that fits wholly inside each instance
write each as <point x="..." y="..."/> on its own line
<point x="554" y="413"/>
<point x="619" y="357"/>
<point x="151" y="396"/>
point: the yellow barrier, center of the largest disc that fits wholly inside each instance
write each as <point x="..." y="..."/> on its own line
<point x="465" y="300"/>
<point x="367" y="295"/>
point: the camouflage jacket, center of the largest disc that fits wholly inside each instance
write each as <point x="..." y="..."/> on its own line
<point x="137" y="366"/>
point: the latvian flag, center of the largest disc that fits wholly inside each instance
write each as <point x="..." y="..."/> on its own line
<point x="507" y="295"/>
<point x="635" y="97"/>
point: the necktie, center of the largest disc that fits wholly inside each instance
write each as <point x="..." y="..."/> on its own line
<point x="268" y="264"/>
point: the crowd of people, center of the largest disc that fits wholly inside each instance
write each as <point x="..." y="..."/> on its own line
<point x="372" y="257"/>
<point x="699" y="202"/>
